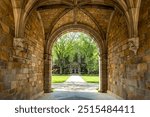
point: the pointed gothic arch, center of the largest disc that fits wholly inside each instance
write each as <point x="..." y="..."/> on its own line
<point x="81" y="28"/>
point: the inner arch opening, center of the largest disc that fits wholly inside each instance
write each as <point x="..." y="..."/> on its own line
<point x="100" y="46"/>
<point x="75" y="62"/>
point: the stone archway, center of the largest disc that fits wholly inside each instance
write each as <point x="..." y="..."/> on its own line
<point x="100" y="44"/>
<point x="28" y="29"/>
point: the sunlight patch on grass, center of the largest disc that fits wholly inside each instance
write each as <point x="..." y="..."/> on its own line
<point x="91" y="79"/>
<point x="59" y="78"/>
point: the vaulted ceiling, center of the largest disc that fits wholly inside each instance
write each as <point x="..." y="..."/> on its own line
<point x="93" y="13"/>
<point x="96" y="16"/>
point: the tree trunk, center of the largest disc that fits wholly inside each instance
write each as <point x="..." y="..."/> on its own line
<point x="79" y="69"/>
<point x="70" y="70"/>
<point x="79" y="62"/>
<point x="88" y="71"/>
<point x="61" y="70"/>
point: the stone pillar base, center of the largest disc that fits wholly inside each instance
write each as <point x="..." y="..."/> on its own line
<point x="47" y="90"/>
<point x="102" y="91"/>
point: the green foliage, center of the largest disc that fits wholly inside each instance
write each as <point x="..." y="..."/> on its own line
<point x="91" y="79"/>
<point x="59" y="78"/>
<point x="78" y="49"/>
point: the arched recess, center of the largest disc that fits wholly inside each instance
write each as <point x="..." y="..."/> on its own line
<point x="82" y="28"/>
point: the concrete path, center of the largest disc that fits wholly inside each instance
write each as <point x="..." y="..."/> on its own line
<point x="75" y="79"/>
<point x="76" y="83"/>
<point x="75" y="88"/>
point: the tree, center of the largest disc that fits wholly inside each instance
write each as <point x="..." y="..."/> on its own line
<point x="78" y="48"/>
<point x="90" y="52"/>
<point x="61" y="51"/>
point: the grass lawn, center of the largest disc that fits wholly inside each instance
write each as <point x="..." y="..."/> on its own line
<point x="91" y="79"/>
<point x="59" y="78"/>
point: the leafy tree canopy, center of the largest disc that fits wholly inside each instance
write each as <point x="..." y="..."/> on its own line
<point x="75" y="51"/>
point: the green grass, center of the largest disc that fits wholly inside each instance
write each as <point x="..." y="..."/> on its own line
<point x="91" y="79"/>
<point x="59" y="78"/>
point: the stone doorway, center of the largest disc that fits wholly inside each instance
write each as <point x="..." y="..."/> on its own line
<point x="81" y="61"/>
<point x="102" y="56"/>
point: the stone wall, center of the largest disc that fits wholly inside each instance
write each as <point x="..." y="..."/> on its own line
<point x="35" y="66"/>
<point x="7" y="75"/>
<point x="21" y="77"/>
<point x="129" y="74"/>
<point x="144" y="51"/>
<point x="117" y="55"/>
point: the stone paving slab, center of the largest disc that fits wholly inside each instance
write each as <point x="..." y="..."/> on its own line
<point x="73" y="95"/>
<point x="79" y="87"/>
<point x="75" y="83"/>
<point x="75" y="88"/>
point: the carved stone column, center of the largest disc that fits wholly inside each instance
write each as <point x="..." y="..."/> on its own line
<point x="103" y="73"/>
<point x="47" y="73"/>
<point x="20" y="48"/>
<point x="134" y="44"/>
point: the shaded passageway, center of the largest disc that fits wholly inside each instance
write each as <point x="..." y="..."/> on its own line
<point x="75" y="88"/>
<point x="29" y="29"/>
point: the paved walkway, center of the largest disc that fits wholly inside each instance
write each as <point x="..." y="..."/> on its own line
<point x="77" y="84"/>
<point x="75" y="88"/>
<point x="75" y="79"/>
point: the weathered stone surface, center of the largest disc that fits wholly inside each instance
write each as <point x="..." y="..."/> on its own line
<point x="142" y="67"/>
<point x="13" y="84"/>
<point x="148" y="85"/>
<point x="1" y="87"/>
<point x="133" y="69"/>
<point x="140" y="94"/>
<point x="146" y="58"/>
<point x="147" y="76"/>
<point x="147" y="94"/>
<point x="4" y="27"/>
<point x="131" y="92"/>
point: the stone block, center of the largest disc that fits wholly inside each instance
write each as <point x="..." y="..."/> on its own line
<point x="142" y="67"/>
<point x="13" y="84"/>
<point x="146" y="58"/>
<point x="10" y="65"/>
<point x="1" y="87"/>
<point x="147" y="94"/>
<point x="12" y="91"/>
<point x="126" y="52"/>
<point x="141" y="84"/>
<point x="147" y="76"/>
<point x="132" y="82"/>
<point x="148" y="85"/>
<point x="131" y="92"/>
<point x="140" y="94"/>
<point x="33" y="84"/>
<point x="124" y="94"/>
<point x="7" y="84"/>
<point x="33" y="64"/>
<point x="40" y="82"/>
<point x="1" y="75"/>
<point x="25" y="70"/>
<point x="5" y="27"/>
<point x="124" y="47"/>
<point x="131" y="73"/>
<point x="149" y="67"/>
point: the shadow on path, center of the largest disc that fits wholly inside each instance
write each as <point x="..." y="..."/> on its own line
<point x="75" y="88"/>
